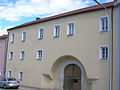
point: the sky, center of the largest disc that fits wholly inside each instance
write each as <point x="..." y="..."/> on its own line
<point x="16" y="12"/>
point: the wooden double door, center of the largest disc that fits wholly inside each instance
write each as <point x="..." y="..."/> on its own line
<point x="72" y="77"/>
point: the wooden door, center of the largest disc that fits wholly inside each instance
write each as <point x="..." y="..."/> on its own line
<point x="72" y="77"/>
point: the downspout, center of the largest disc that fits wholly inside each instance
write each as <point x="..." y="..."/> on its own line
<point x="111" y="48"/>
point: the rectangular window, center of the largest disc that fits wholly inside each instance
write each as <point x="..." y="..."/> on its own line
<point x="21" y="76"/>
<point x="10" y="55"/>
<point x="104" y="52"/>
<point x="23" y="36"/>
<point x="41" y="33"/>
<point x="0" y="73"/>
<point x="0" y="43"/>
<point x="57" y="31"/>
<point x="9" y="73"/>
<point x="70" y="28"/>
<point x="12" y="38"/>
<point x="39" y="54"/>
<point x="22" y="55"/>
<point x="104" y="24"/>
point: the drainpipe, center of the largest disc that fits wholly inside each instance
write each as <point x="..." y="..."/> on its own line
<point x="111" y="48"/>
<point x="111" y="43"/>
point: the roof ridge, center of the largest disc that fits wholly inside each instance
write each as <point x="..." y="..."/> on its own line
<point x="91" y="8"/>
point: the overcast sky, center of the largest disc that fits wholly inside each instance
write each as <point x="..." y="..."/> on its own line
<point x="16" y="12"/>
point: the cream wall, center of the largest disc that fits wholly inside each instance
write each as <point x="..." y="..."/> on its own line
<point x="83" y="45"/>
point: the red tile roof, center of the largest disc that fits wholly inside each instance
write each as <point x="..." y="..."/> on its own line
<point x="3" y="36"/>
<point x="96" y="7"/>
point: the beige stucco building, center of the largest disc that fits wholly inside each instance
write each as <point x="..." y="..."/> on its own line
<point x="70" y="51"/>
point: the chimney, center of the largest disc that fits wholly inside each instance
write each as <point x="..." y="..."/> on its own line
<point x="37" y="18"/>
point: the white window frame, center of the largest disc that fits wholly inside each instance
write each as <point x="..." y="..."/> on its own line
<point x="101" y="53"/>
<point x="21" y="76"/>
<point x="9" y="73"/>
<point x="70" y="32"/>
<point x="1" y="73"/>
<point x="23" y="36"/>
<point x="41" y="54"/>
<point x="22" y="55"/>
<point x="12" y="38"/>
<point x="11" y="56"/>
<point x="100" y="24"/>
<point x="57" y="31"/>
<point x="40" y="33"/>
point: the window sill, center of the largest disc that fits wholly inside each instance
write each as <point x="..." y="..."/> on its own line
<point x="40" y="38"/>
<point x="38" y="59"/>
<point x="70" y="35"/>
<point x="21" y="59"/>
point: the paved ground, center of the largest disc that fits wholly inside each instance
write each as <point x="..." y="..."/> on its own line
<point x="21" y="88"/>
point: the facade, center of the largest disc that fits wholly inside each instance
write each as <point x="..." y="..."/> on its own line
<point x="117" y="46"/>
<point x="3" y="50"/>
<point x="70" y="51"/>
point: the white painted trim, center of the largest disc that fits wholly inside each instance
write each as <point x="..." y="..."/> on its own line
<point x="11" y="58"/>
<point x="68" y="28"/>
<point x="40" y="38"/>
<point x="54" y="33"/>
<point x="21" y="55"/>
<point x="100" y="52"/>
<point x="9" y="73"/>
<point x="12" y="38"/>
<point x="22" y="75"/>
<point x="100" y="24"/>
<point x="23" y="40"/>
<point x="62" y="73"/>
<point x="37" y="54"/>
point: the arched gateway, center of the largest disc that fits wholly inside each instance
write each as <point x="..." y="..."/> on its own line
<point x="71" y="76"/>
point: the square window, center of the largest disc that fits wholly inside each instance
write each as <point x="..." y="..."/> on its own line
<point x="104" y="24"/>
<point x="104" y="52"/>
<point x="57" y="31"/>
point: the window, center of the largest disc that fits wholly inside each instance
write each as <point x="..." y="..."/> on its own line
<point x="9" y="73"/>
<point x="57" y="31"/>
<point x="0" y="43"/>
<point x="21" y="76"/>
<point x="104" y="24"/>
<point x="22" y="55"/>
<point x="39" y="54"/>
<point x="104" y="52"/>
<point x="70" y="28"/>
<point x="23" y="36"/>
<point x="12" y="38"/>
<point x="40" y="33"/>
<point x="0" y="73"/>
<point x="11" y="56"/>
